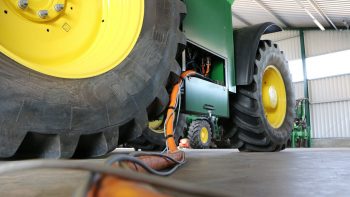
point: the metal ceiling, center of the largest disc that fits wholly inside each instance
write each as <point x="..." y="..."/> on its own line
<point x="328" y="14"/>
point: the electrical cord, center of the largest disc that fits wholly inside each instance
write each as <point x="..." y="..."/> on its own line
<point x="120" y="158"/>
<point x="165" y="183"/>
<point x="132" y="157"/>
<point x="172" y="114"/>
<point x="179" y="108"/>
<point x="138" y="154"/>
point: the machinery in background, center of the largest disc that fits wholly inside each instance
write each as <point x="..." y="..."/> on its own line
<point x="301" y="134"/>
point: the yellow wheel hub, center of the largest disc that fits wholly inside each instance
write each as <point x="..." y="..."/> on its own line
<point x="70" y="38"/>
<point x="204" y="135"/>
<point x="274" y="96"/>
<point x="156" y="126"/>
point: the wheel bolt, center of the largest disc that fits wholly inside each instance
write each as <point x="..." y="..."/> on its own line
<point x="23" y="4"/>
<point x="59" y="7"/>
<point x="43" y="13"/>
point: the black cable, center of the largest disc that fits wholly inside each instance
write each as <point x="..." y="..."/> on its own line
<point x="138" y="154"/>
<point x="121" y="158"/>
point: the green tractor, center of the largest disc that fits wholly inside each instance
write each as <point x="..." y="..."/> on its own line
<point x="80" y="78"/>
<point x="301" y="134"/>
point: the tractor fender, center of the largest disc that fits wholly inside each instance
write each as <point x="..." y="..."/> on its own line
<point x="246" y="45"/>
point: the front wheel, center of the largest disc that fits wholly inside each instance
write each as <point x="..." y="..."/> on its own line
<point x="262" y="113"/>
<point x="199" y="134"/>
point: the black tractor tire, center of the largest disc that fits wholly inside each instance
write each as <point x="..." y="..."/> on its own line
<point x="44" y="116"/>
<point x="194" y="134"/>
<point x="248" y="128"/>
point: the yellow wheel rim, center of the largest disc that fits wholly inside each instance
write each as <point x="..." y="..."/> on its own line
<point x="204" y="135"/>
<point x="156" y="126"/>
<point x="70" y="38"/>
<point x="274" y="96"/>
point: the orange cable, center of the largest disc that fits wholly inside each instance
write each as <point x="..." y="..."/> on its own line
<point x="170" y="113"/>
<point x="208" y="65"/>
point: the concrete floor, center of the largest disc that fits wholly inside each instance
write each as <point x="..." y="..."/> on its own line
<point x="298" y="172"/>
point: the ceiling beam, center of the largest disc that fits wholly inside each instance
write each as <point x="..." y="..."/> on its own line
<point x="244" y="21"/>
<point x="268" y="10"/>
<point x="322" y="14"/>
<point x="311" y="16"/>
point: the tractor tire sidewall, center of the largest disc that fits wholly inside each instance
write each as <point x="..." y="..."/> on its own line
<point x="114" y="103"/>
<point x="273" y="56"/>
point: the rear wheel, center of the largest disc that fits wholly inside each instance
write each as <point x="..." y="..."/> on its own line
<point x="73" y="84"/>
<point x="263" y="112"/>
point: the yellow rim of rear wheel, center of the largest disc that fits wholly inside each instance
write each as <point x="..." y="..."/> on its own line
<point x="70" y="38"/>
<point x="274" y="96"/>
<point x="156" y="126"/>
<point x="204" y="135"/>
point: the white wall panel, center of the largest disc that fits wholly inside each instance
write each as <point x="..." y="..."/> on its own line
<point x="323" y="42"/>
<point x="330" y="107"/>
<point x="330" y="89"/>
<point x="316" y="42"/>
<point x="330" y="120"/>
<point x="299" y="90"/>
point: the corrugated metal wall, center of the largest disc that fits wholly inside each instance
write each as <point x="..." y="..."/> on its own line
<point x="316" y="42"/>
<point x="330" y="120"/>
<point x="329" y="106"/>
<point x="330" y="89"/>
<point x="299" y="90"/>
<point x="323" y="42"/>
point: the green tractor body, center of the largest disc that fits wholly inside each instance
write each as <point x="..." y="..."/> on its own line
<point x="212" y="32"/>
<point x="208" y="25"/>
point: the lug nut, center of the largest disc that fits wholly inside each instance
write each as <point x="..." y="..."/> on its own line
<point x="43" y="13"/>
<point x="59" y="7"/>
<point x="23" y="4"/>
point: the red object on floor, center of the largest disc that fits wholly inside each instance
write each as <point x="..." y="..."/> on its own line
<point x="184" y="143"/>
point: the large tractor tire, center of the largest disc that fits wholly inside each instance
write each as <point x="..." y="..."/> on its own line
<point x="80" y="81"/>
<point x="263" y="112"/>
